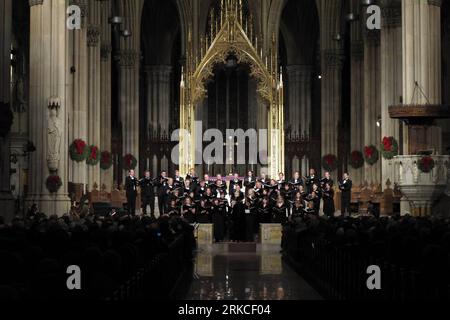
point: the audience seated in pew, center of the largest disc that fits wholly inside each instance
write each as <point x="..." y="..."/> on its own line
<point x="35" y="252"/>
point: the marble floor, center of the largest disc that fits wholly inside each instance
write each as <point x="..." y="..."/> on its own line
<point x="258" y="275"/>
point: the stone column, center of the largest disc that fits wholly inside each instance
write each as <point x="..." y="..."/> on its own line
<point x="48" y="104"/>
<point x="129" y="101"/>
<point x="391" y="78"/>
<point x="372" y="108"/>
<point x="332" y="63"/>
<point x="299" y="78"/>
<point x="106" y="176"/>
<point x="6" y="198"/>
<point x="299" y="113"/>
<point x="94" y="93"/>
<point x="421" y="39"/>
<point x="79" y="80"/>
<point x="357" y="97"/>
<point x="158" y="97"/>
<point x="129" y="62"/>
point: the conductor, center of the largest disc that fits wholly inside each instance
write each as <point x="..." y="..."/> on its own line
<point x="131" y="184"/>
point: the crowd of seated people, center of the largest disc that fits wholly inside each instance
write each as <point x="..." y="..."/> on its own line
<point x="234" y="205"/>
<point x="417" y="245"/>
<point x="36" y="251"/>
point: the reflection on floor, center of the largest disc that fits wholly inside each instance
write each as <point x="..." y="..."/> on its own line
<point x="261" y="275"/>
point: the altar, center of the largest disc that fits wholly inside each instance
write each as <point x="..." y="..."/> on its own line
<point x="269" y="234"/>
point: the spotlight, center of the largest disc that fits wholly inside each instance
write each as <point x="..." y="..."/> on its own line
<point x="337" y="37"/>
<point x="319" y="77"/>
<point x="379" y="122"/>
<point x="115" y="20"/>
<point x="351" y="17"/>
<point x="126" y="33"/>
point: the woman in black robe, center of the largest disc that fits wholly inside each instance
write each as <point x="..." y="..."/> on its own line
<point x="250" y="216"/>
<point x="298" y="209"/>
<point x="174" y="209"/>
<point x="188" y="210"/>
<point x="218" y="213"/>
<point x="264" y="211"/>
<point x="279" y="211"/>
<point x="237" y="217"/>
<point x="328" y="201"/>
<point x="204" y="212"/>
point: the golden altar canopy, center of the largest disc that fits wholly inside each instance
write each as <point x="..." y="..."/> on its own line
<point x="231" y="33"/>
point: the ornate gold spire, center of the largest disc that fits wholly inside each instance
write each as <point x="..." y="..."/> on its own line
<point x="231" y="33"/>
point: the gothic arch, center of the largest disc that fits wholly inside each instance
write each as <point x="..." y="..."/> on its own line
<point x="160" y="30"/>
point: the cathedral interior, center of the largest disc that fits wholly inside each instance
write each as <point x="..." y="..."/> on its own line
<point x="91" y="89"/>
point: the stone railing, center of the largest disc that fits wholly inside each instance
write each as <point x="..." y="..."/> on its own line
<point x="422" y="189"/>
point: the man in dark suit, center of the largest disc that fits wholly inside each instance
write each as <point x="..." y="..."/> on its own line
<point x="326" y="180"/>
<point x="192" y="175"/>
<point x="346" y="188"/>
<point x="249" y="181"/>
<point x="233" y="183"/>
<point x="296" y="181"/>
<point x="162" y="191"/>
<point x="311" y="180"/>
<point x="177" y="180"/>
<point x="131" y="184"/>
<point x="264" y="181"/>
<point x="148" y="193"/>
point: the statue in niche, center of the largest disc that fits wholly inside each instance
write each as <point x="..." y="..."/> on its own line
<point x="19" y="79"/>
<point x="20" y="105"/>
<point x="54" y="130"/>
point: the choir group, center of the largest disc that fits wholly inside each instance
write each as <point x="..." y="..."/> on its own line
<point x="237" y="206"/>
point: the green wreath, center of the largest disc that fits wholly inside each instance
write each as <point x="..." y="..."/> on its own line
<point x="389" y="148"/>
<point x="371" y="155"/>
<point x="105" y="160"/>
<point x="330" y="162"/>
<point x="356" y="160"/>
<point x="93" y="157"/>
<point x="53" y="183"/>
<point x="426" y="164"/>
<point x="79" y="150"/>
<point x="129" y="162"/>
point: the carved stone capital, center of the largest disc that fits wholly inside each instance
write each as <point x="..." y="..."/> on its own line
<point x="334" y="58"/>
<point x="437" y="3"/>
<point x="93" y="35"/>
<point x="35" y="2"/>
<point x="158" y="72"/>
<point x="372" y="37"/>
<point x="127" y="58"/>
<point x="392" y="16"/>
<point x="299" y="73"/>
<point x="105" y="50"/>
<point x="357" y="49"/>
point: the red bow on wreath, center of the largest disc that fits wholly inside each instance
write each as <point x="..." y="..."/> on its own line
<point x="94" y="151"/>
<point x="330" y="160"/>
<point x="356" y="156"/>
<point x="426" y="164"/>
<point x="128" y="160"/>
<point x="79" y="145"/>
<point x="427" y="161"/>
<point x="105" y="157"/>
<point x="387" y="143"/>
<point x="369" y="151"/>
